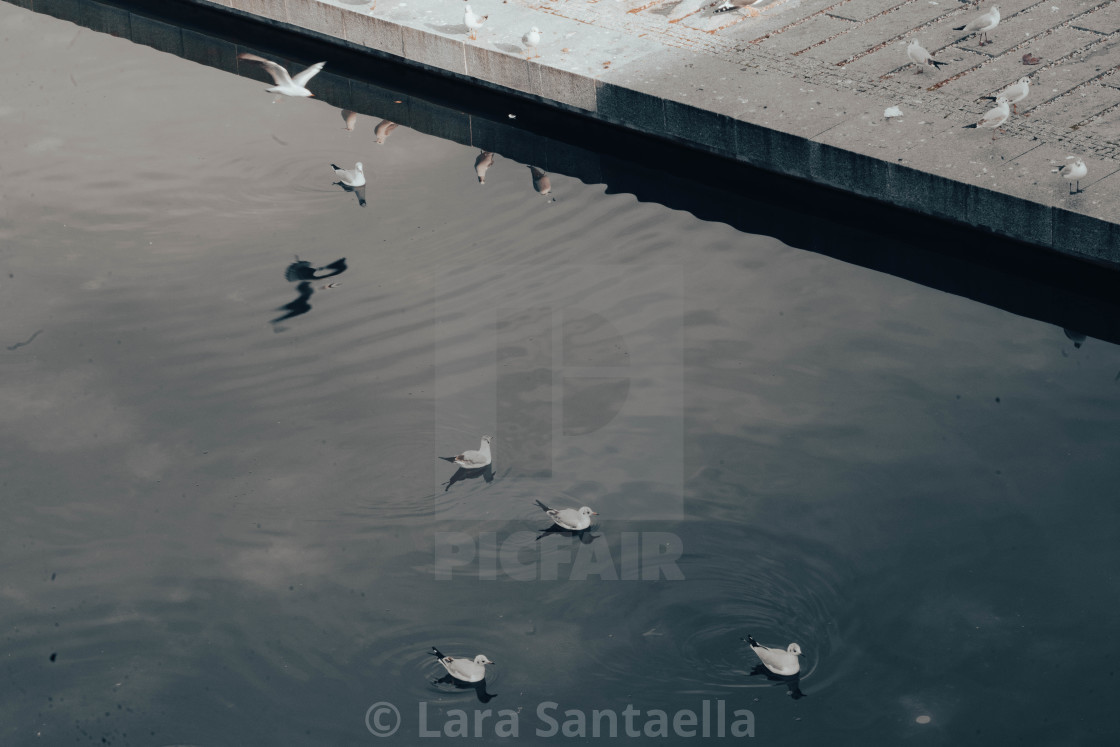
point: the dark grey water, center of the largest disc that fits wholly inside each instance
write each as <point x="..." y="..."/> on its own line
<point x="225" y="527"/>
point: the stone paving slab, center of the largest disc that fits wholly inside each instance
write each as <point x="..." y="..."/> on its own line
<point x="798" y="87"/>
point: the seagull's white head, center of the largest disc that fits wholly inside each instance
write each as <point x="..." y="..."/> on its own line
<point x="912" y="42"/>
<point x="586" y="511"/>
<point x="794" y="649"/>
<point x="535" y="30"/>
<point x="1002" y="100"/>
<point x="358" y="167"/>
<point x="487" y="439"/>
<point x="1024" y="80"/>
<point x="481" y="660"/>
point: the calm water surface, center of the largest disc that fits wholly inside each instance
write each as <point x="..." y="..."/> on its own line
<point x="223" y="519"/>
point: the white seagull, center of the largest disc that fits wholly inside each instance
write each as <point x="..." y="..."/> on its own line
<point x="354" y="177"/>
<point x="473" y="459"/>
<point x="777" y="661"/>
<point x="982" y="24"/>
<point x="463" y="669"/>
<point x="531" y="40"/>
<point x="482" y="164"/>
<point x="994" y="118"/>
<point x="729" y="5"/>
<point x="1015" y="93"/>
<point x="1073" y="172"/>
<point x="473" y="22"/>
<point x="569" y="518"/>
<point x="921" y="57"/>
<point x="286" y="85"/>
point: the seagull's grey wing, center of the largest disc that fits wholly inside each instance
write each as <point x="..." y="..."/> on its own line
<point x="305" y="75"/>
<point x="279" y="75"/>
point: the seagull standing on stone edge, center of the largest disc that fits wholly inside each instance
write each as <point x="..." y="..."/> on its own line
<point x="1073" y="172"/>
<point x="286" y="85"/>
<point x="463" y="669"/>
<point x="1015" y="93"/>
<point x="531" y="40"/>
<point x="784" y="663"/>
<point x="473" y="459"/>
<point x="921" y="57"/>
<point x="994" y="118"/>
<point x="473" y="22"/>
<point x="730" y="5"/>
<point x="982" y="24"/>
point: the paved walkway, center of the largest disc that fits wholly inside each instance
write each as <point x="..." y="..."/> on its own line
<point x="801" y="87"/>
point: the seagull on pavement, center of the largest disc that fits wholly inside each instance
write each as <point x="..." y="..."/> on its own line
<point x="919" y="56"/>
<point x="531" y="40"/>
<point x="1015" y="93"/>
<point x="473" y="22"/>
<point x="1073" y="172"/>
<point x="982" y="24"/>
<point x="994" y="118"/>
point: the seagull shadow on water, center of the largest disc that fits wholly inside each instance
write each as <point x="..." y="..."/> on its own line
<point x="478" y="687"/>
<point x="359" y="192"/>
<point x="792" y="682"/>
<point x="302" y="271"/>
<point x="585" y="536"/>
<point x="486" y="473"/>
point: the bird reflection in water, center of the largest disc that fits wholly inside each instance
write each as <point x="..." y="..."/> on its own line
<point x="486" y="473"/>
<point x="349" y="119"/>
<point x="478" y="687"/>
<point x="542" y="185"/>
<point x="383" y="130"/>
<point x="585" y="536"/>
<point x="482" y="164"/>
<point x="304" y="272"/>
<point x="792" y="682"/>
<point x="1077" y="338"/>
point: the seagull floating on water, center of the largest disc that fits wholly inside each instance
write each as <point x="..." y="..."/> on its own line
<point x="473" y="22"/>
<point x="287" y="85"/>
<point x="1015" y="93"/>
<point x="575" y="520"/>
<point x="982" y="24"/>
<point x="482" y="164"/>
<point x="354" y="177"/>
<point x="994" y="118"/>
<point x="776" y="660"/>
<point x="463" y="669"/>
<point x="921" y="57"/>
<point x="473" y="459"/>
<point x="1073" y="172"/>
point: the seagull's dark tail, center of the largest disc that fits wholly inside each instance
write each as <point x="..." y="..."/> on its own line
<point x="958" y="28"/>
<point x="937" y="64"/>
<point x="728" y="9"/>
<point x="969" y="127"/>
<point x="336" y="167"/>
<point x="436" y="653"/>
<point x="543" y="507"/>
<point x="750" y="641"/>
<point x="448" y="459"/>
